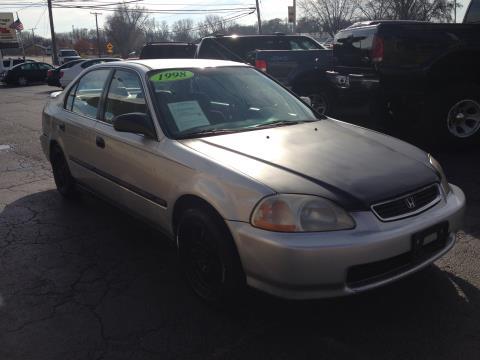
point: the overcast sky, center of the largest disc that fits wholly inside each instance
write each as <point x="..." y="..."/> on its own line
<point x="32" y="17"/>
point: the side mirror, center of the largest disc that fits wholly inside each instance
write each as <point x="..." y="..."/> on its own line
<point x="137" y="123"/>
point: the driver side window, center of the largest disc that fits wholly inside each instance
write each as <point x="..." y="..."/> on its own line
<point x="125" y="95"/>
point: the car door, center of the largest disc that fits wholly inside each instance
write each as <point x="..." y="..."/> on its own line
<point x="128" y="161"/>
<point x="42" y="71"/>
<point x="76" y="124"/>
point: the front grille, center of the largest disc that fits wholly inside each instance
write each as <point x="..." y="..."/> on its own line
<point x="409" y="204"/>
<point x="365" y="274"/>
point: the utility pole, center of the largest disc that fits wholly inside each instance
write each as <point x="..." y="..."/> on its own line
<point x="52" y="33"/>
<point x="98" y="34"/>
<point x="259" y="19"/>
<point x="33" y="40"/>
<point x="294" y="16"/>
<point x="455" y="11"/>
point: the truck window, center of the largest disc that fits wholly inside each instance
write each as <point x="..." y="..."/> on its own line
<point x="473" y="12"/>
<point x="304" y="44"/>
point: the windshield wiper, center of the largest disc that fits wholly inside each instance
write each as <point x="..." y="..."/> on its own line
<point x="206" y="132"/>
<point x="279" y="123"/>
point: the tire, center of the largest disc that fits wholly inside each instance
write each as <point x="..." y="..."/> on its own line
<point x="208" y="256"/>
<point x="320" y="102"/>
<point x="61" y="174"/>
<point x="453" y="116"/>
<point x="22" y="81"/>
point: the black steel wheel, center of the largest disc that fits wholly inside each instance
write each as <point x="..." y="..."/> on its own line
<point x="61" y="173"/>
<point x="208" y="256"/>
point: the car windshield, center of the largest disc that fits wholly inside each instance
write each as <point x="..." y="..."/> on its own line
<point x="209" y="101"/>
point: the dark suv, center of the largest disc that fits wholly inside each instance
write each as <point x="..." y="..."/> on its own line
<point x="418" y="78"/>
<point x="168" y="50"/>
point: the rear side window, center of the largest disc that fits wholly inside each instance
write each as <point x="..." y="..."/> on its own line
<point x="44" y="66"/>
<point x="125" y="95"/>
<point x="27" y="66"/>
<point x="88" y="92"/>
<point x="473" y="12"/>
<point x="6" y="63"/>
<point x="16" y="62"/>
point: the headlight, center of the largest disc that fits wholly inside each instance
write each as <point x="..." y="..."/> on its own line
<point x="300" y="213"/>
<point x="438" y="168"/>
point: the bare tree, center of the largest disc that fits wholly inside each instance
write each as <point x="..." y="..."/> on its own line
<point x="332" y="15"/>
<point x="125" y="27"/>
<point x="183" y="30"/>
<point x="157" y="31"/>
<point x="374" y="9"/>
<point x="423" y="10"/>
<point x="213" y="24"/>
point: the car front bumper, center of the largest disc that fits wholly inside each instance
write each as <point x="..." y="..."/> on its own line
<point x="318" y="265"/>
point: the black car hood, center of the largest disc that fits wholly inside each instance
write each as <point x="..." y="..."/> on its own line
<point x="352" y="165"/>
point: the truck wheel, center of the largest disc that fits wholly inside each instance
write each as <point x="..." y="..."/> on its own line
<point x="455" y="115"/>
<point x="319" y="102"/>
<point x="208" y="256"/>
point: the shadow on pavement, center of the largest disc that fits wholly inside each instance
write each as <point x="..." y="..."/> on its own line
<point x="84" y="280"/>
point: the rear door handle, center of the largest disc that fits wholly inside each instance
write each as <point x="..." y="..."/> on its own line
<point x="100" y="142"/>
<point x="61" y="126"/>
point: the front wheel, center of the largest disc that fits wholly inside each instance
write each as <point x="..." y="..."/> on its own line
<point x="208" y="256"/>
<point x="61" y="173"/>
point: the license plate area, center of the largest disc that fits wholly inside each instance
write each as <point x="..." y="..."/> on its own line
<point x="429" y="241"/>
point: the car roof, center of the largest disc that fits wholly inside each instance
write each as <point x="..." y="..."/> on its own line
<point x="180" y="63"/>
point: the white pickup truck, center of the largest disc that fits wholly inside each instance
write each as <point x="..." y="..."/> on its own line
<point x="66" y="55"/>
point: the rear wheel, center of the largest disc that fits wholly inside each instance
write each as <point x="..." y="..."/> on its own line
<point x="22" y="81"/>
<point x="208" y="256"/>
<point x="61" y="173"/>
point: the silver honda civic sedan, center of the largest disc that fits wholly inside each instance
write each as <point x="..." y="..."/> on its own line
<point x="251" y="184"/>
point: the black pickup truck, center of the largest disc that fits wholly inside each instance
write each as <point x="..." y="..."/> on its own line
<point x="297" y="61"/>
<point x="418" y="79"/>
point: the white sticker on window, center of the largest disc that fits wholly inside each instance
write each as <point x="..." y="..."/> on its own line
<point x="188" y="115"/>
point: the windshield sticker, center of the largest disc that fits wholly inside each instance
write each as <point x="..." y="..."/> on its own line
<point x="188" y="115"/>
<point x="172" y="75"/>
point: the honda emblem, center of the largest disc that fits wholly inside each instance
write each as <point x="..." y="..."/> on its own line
<point x="410" y="202"/>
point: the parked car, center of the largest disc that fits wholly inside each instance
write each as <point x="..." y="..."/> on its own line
<point x="68" y="74"/>
<point x="53" y="75"/>
<point x="419" y="78"/>
<point x="249" y="182"/>
<point x="168" y="50"/>
<point x="25" y="73"/>
<point x="7" y="64"/>
<point x="66" y="55"/>
<point x="297" y="61"/>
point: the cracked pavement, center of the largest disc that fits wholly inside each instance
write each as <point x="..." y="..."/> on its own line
<point x="83" y="280"/>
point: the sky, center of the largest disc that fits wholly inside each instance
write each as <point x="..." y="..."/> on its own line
<point x="36" y="16"/>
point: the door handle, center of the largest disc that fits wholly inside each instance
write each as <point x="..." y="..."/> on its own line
<point x="100" y="142"/>
<point x="61" y="126"/>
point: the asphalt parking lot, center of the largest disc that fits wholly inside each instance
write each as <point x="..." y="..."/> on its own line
<point x="82" y="280"/>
